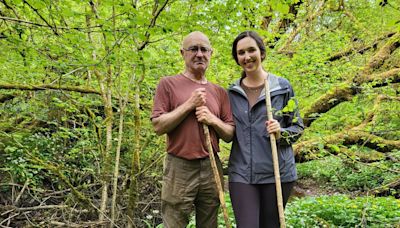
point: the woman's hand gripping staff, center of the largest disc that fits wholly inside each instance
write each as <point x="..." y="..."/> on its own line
<point x="272" y="126"/>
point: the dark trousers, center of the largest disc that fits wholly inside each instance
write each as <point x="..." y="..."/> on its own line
<point x="255" y="205"/>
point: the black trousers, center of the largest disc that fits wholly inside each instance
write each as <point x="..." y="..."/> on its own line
<point x="255" y="205"/>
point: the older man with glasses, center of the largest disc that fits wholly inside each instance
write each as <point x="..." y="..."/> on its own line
<point x="183" y="103"/>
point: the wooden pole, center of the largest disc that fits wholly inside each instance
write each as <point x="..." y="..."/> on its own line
<point x="275" y="159"/>
<point x="216" y="175"/>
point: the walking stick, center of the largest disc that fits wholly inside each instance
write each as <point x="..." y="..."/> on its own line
<point x="216" y="175"/>
<point x="275" y="159"/>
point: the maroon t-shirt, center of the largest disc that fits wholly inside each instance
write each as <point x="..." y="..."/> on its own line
<point x="187" y="140"/>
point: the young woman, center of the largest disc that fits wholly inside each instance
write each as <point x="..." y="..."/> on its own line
<point x="251" y="174"/>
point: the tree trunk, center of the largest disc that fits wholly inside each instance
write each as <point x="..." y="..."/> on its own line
<point x="326" y="102"/>
<point x="350" y="137"/>
<point x="46" y="86"/>
<point x="135" y="162"/>
<point x="384" y="53"/>
<point x="105" y="89"/>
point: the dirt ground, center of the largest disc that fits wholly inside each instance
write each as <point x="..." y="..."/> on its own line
<point x="309" y="187"/>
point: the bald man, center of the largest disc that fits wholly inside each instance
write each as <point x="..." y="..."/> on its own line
<point x="183" y="103"/>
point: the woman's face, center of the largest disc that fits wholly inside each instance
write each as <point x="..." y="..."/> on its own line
<point x="249" y="55"/>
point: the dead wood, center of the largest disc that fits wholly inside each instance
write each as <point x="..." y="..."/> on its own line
<point x="385" y="189"/>
<point x="55" y="169"/>
<point x="326" y="102"/>
<point x="346" y="90"/>
<point x="19" y="213"/>
<point x="350" y="137"/>
<point x="381" y="79"/>
<point x="48" y="86"/>
<point x="356" y="135"/>
<point x="383" y="53"/>
<point x="78" y="225"/>
<point x="359" y="156"/>
<point x="6" y="97"/>
<point x="359" y="48"/>
<point x="372" y="114"/>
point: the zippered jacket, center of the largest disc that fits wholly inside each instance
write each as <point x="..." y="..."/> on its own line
<point x="250" y="161"/>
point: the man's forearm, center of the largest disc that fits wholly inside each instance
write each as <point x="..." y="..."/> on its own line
<point x="168" y="121"/>
<point x="225" y="131"/>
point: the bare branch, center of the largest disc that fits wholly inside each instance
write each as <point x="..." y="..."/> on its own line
<point x="54" y="28"/>
<point x="85" y="224"/>
<point x="9" y="7"/>
<point x="156" y="14"/>
<point x="385" y="188"/>
<point x="46" y="26"/>
<point x="46" y="86"/>
<point x="22" y="21"/>
<point x="21" y="192"/>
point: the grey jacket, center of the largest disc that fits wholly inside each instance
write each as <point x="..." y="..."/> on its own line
<point x="250" y="161"/>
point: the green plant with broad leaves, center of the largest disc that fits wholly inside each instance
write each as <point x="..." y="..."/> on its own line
<point x="351" y="175"/>
<point x="328" y="211"/>
<point x="343" y="211"/>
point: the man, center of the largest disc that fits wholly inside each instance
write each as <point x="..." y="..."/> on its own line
<point x="182" y="104"/>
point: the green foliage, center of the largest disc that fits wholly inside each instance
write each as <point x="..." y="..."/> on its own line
<point x="18" y="166"/>
<point x="329" y="211"/>
<point x="62" y="43"/>
<point x="345" y="115"/>
<point x="23" y="163"/>
<point x="290" y="107"/>
<point x="342" y="211"/>
<point x="349" y="175"/>
<point x="321" y="170"/>
<point x="387" y="122"/>
<point x="50" y="128"/>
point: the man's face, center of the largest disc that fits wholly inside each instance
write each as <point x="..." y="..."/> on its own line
<point x="196" y="52"/>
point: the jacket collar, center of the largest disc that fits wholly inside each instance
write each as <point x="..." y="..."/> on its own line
<point x="273" y="82"/>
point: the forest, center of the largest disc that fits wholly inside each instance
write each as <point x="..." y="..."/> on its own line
<point x="77" y="80"/>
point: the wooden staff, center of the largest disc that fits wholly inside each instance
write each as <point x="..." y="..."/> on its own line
<point x="216" y="175"/>
<point x="275" y="158"/>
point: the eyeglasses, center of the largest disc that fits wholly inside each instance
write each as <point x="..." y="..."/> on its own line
<point x="195" y="49"/>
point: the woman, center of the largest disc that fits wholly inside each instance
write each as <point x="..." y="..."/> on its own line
<point x="251" y="174"/>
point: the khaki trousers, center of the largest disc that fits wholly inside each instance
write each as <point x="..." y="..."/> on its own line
<point x="188" y="185"/>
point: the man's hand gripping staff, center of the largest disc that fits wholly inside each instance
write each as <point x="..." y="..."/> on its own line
<point x="205" y="117"/>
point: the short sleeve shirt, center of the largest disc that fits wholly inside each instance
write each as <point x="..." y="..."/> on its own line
<point x="187" y="140"/>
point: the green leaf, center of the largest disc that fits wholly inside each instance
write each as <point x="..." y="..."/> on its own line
<point x="290" y="107"/>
